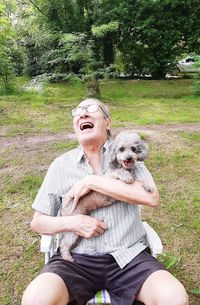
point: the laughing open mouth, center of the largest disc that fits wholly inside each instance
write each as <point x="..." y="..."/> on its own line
<point x="86" y="125"/>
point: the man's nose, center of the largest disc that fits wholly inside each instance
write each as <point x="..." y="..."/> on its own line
<point x="83" y="112"/>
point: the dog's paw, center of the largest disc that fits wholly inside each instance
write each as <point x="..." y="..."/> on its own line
<point x="65" y="249"/>
<point x="129" y="180"/>
<point x="113" y="175"/>
<point x="67" y="257"/>
<point x="148" y="188"/>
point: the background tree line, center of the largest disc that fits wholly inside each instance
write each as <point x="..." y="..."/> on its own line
<point x="91" y="39"/>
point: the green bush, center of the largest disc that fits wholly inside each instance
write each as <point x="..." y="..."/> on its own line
<point x="6" y="71"/>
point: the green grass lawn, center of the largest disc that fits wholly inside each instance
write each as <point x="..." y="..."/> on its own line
<point x="152" y="107"/>
<point x="137" y="101"/>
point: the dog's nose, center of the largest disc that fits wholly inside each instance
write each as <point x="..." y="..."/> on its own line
<point x="129" y="159"/>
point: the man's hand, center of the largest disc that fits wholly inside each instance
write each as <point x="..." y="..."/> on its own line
<point x="78" y="190"/>
<point x="87" y="226"/>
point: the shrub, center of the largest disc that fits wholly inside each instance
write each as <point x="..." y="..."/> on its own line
<point x="6" y="71"/>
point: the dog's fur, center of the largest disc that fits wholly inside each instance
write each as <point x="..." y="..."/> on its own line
<point x="124" y="151"/>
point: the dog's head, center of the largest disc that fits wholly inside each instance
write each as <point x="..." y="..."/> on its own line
<point x="126" y="149"/>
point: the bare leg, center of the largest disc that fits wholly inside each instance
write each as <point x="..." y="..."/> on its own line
<point x="46" y="289"/>
<point x="162" y="288"/>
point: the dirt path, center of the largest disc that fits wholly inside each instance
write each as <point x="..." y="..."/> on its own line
<point x="26" y="154"/>
<point x="155" y="132"/>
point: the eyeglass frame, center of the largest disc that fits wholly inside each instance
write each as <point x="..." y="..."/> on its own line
<point x="85" y="107"/>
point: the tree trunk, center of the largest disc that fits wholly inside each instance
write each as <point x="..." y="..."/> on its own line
<point x="92" y="86"/>
<point x="108" y="52"/>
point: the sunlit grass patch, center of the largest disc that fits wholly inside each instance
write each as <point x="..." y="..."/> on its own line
<point x="169" y="260"/>
<point x="139" y="102"/>
<point x="28" y="185"/>
<point x="123" y="90"/>
<point x="69" y="91"/>
<point x="31" y="184"/>
<point x="192" y="136"/>
<point x="32" y="119"/>
<point x="65" y="146"/>
<point x="152" y="111"/>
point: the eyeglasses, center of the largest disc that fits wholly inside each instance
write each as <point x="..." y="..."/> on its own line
<point x="89" y="108"/>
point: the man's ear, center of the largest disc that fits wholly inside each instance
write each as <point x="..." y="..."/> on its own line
<point x="108" y="123"/>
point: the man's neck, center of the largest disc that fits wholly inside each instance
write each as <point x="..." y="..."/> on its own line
<point x="93" y="148"/>
<point x="93" y="154"/>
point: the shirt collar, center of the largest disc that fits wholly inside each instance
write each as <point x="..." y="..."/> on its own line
<point x="81" y="155"/>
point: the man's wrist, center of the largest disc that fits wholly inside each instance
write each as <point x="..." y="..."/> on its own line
<point x="88" y="180"/>
<point x="70" y="223"/>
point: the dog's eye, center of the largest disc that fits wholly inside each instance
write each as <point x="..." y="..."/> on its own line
<point x="133" y="149"/>
<point x="121" y="149"/>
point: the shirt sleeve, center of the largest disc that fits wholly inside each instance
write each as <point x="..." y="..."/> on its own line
<point x="142" y="173"/>
<point x="48" y="200"/>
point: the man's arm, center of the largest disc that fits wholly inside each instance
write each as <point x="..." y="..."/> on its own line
<point x="84" y="225"/>
<point x="131" y="193"/>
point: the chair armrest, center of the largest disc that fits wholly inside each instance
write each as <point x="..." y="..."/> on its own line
<point x="46" y="243"/>
<point x="46" y="246"/>
<point x="153" y="240"/>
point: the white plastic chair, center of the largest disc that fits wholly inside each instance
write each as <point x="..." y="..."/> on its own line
<point x="49" y="245"/>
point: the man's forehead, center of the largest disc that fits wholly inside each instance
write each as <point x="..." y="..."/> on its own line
<point x="88" y="102"/>
<point x="85" y="104"/>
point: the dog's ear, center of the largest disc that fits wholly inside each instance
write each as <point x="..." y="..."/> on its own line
<point x="142" y="149"/>
<point x="112" y="150"/>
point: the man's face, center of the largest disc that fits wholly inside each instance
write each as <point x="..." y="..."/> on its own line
<point x="90" y="127"/>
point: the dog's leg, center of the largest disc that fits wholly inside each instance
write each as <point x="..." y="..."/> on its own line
<point x="68" y="241"/>
<point x="121" y="174"/>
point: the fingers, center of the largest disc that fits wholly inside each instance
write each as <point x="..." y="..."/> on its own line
<point x="103" y="225"/>
<point x="67" y="200"/>
<point x="91" y="227"/>
<point x="74" y="204"/>
<point x="99" y="228"/>
<point x="99" y="231"/>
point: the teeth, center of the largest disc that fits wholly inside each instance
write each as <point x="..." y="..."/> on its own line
<point x="86" y="125"/>
<point x="127" y="163"/>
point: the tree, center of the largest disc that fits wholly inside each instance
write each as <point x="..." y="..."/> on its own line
<point x="155" y="32"/>
<point x="74" y="16"/>
<point x="141" y="36"/>
<point x="6" y="66"/>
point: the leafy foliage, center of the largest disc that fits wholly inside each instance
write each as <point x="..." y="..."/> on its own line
<point x="6" y="66"/>
<point x="195" y="88"/>
<point x="85" y="38"/>
<point x="102" y="30"/>
<point x="155" y="32"/>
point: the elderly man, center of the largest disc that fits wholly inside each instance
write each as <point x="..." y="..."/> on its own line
<point x="112" y="252"/>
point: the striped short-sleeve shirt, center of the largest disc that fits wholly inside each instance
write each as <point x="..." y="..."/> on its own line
<point x="125" y="236"/>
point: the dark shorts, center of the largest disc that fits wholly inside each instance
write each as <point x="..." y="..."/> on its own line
<point x="88" y="274"/>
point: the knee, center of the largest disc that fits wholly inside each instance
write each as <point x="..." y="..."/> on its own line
<point x="46" y="289"/>
<point x="28" y="297"/>
<point x="31" y="297"/>
<point x="174" y="298"/>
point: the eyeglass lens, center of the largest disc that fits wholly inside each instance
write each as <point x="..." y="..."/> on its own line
<point x="90" y="108"/>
